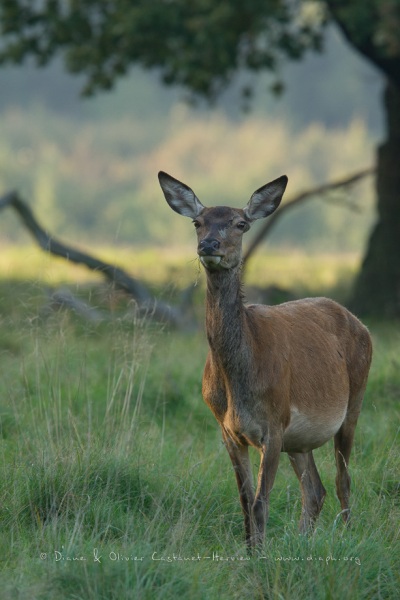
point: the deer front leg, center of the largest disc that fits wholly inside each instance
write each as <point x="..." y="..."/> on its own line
<point x="270" y="453"/>
<point x="239" y="456"/>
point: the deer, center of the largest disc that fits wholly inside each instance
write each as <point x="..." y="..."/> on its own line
<point x="284" y="378"/>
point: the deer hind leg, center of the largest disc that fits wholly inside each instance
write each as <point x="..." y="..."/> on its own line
<point x="358" y="375"/>
<point x="239" y="455"/>
<point x="343" y="444"/>
<point x="312" y="491"/>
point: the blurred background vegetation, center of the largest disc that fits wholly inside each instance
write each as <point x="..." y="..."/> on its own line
<point x="88" y="166"/>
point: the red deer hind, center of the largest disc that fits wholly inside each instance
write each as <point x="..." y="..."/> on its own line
<point x="282" y="378"/>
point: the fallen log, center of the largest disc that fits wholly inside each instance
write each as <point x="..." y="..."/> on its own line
<point x="147" y="303"/>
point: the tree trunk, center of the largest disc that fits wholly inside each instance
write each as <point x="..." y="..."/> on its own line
<point x="377" y="288"/>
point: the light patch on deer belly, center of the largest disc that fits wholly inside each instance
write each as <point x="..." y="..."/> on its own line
<point x="305" y="433"/>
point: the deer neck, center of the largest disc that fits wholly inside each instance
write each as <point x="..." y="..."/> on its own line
<point x="225" y="316"/>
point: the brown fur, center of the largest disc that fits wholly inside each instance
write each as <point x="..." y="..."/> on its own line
<point x="281" y="378"/>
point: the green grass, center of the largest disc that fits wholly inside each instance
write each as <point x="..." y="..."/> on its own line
<point x="109" y="456"/>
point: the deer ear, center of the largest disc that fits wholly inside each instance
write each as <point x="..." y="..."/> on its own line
<point x="179" y="196"/>
<point x="266" y="199"/>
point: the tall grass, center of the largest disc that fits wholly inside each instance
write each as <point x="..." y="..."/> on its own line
<point x="115" y="484"/>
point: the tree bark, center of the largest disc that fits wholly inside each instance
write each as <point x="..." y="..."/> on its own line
<point x="377" y="288"/>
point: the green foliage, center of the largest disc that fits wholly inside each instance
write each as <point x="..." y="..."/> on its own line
<point x="198" y="45"/>
<point x="111" y="461"/>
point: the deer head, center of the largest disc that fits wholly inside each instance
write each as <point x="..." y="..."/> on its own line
<point x="220" y="229"/>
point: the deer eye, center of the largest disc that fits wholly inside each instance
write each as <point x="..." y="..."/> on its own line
<point x="196" y="224"/>
<point x="241" y="225"/>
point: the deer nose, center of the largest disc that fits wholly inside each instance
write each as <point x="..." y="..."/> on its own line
<point x="208" y="246"/>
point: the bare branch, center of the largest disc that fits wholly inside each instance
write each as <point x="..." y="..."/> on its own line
<point x="116" y="275"/>
<point x="320" y="190"/>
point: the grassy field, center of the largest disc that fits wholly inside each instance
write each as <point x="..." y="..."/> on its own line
<point x="114" y="481"/>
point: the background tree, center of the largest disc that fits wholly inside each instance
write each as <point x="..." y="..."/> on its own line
<point x="202" y="44"/>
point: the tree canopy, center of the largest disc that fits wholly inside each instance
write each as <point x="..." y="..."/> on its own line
<point x="199" y="44"/>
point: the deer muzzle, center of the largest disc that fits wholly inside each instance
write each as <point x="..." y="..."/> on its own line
<point x="207" y="250"/>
